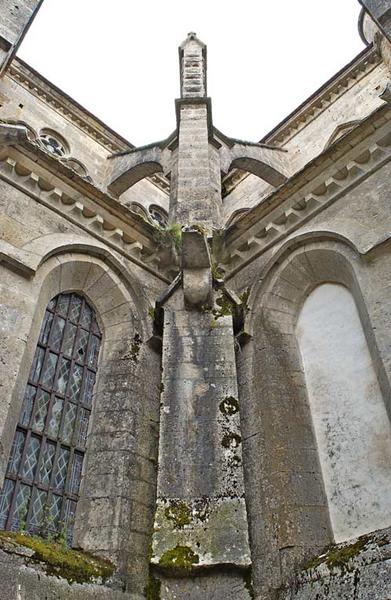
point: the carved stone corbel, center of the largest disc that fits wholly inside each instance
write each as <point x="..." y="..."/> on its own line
<point x="196" y="266"/>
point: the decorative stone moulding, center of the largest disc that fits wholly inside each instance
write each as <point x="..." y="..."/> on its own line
<point x="30" y="80"/>
<point x="264" y="226"/>
<point x="81" y="211"/>
<point x="363" y="65"/>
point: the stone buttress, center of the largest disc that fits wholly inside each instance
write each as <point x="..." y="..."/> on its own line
<point x="201" y="522"/>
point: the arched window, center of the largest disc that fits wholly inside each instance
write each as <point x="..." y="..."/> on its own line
<point x="158" y="215"/>
<point x="53" y="142"/>
<point x="43" y="475"/>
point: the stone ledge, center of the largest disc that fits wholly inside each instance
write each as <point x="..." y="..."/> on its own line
<point x="359" y="569"/>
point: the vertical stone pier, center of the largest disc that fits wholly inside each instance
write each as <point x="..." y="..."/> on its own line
<point x="200" y="543"/>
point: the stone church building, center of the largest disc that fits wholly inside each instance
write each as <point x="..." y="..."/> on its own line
<point x="195" y="343"/>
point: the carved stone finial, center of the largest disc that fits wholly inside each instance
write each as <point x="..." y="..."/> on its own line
<point x="192" y="56"/>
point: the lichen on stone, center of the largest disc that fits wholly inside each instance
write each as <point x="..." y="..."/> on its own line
<point x="181" y="558"/>
<point x="135" y="347"/>
<point x="59" y="560"/>
<point x="179" y="513"/>
<point x="231" y="440"/>
<point x="229" y="406"/>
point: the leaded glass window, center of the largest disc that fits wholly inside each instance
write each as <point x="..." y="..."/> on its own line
<point x="44" y="470"/>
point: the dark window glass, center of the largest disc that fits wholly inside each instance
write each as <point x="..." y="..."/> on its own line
<point x="41" y="487"/>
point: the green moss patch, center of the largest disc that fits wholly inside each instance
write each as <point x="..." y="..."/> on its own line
<point x="152" y="590"/>
<point x="179" y="513"/>
<point x="231" y="440"/>
<point x="224" y="307"/>
<point x="73" y="565"/>
<point x="170" y="235"/>
<point x="181" y="558"/>
<point x="338" y="557"/>
<point x="229" y="406"/>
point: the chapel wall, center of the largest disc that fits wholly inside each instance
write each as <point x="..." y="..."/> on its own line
<point x="20" y="105"/>
<point x="304" y="143"/>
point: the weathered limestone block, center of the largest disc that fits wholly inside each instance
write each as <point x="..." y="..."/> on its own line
<point x="201" y="518"/>
<point x="359" y="570"/>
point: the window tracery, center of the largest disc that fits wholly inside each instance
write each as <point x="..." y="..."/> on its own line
<point x="44" y="470"/>
<point x="53" y="143"/>
<point x="158" y="215"/>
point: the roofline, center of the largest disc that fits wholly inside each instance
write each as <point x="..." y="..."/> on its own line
<point x="74" y="102"/>
<point x="321" y="89"/>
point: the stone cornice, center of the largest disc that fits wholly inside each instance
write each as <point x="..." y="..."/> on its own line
<point x="78" y="201"/>
<point x="320" y="101"/>
<point x="68" y="108"/>
<point x="341" y="167"/>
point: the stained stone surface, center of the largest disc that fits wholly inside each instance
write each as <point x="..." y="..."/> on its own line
<point x="360" y="570"/>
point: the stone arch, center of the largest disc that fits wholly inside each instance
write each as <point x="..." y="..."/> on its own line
<point x="259" y="168"/>
<point x="116" y="507"/>
<point x="287" y="503"/>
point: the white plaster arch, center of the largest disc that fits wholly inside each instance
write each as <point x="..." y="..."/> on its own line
<point x="283" y="475"/>
<point x="351" y="424"/>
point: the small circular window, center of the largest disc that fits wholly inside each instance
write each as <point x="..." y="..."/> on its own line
<point x="158" y="215"/>
<point x="53" y="143"/>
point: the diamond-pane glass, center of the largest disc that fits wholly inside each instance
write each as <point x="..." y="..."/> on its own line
<point x="37" y="364"/>
<point x="89" y="382"/>
<point x="63" y="375"/>
<point x="27" y="407"/>
<point x="54" y="506"/>
<point x="84" y="417"/>
<point x="45" y="469"/>
<point x="69" y="339"/>
<point x="55" y="417"/>
<point x="5" y="501"/>
<point x="49" y="370"/>
<point x="16" y="452"/>
<point x="60" y="474"/>
<point x="69" y="422"/>
<point x="76" y="381"/>
<point x="20" y="508"/>
<point x="48" y="447"/>
<point x="37" y="508"/>
<point x="74" y="311"/>
<point x="41" y="410"/>
<point x="75" y="477"/>
<point x="81" y="345"/>
<point x="69" y="519"/>
<point x="45" y="329"/>
<point x="57" y="333"/>
<point x="31" y="458"/>
<point x="93" y="351"/>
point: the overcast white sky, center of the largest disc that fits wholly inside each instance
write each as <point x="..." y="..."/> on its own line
<point x="119" y="59"/>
